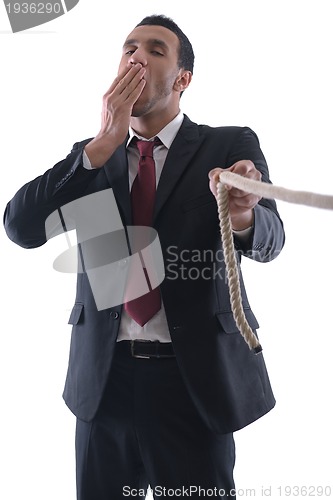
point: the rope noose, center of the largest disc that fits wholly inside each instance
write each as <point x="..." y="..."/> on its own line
<point x="264" y="190"/>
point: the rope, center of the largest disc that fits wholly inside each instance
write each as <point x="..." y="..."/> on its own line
<point x="264" y="190"/>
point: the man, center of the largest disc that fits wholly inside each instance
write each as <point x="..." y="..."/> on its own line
<point x="160" y="413"/>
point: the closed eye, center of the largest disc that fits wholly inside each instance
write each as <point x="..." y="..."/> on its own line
<point x="155" y="52"/>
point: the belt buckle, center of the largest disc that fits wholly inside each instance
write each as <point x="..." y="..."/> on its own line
<point x="138" y="356"/>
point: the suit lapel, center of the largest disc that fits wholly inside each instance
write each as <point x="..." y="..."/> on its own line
<point x="116" y="171"/>
<point x="183" y="148"/>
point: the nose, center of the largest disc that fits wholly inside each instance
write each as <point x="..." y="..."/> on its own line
<point x="138" y="56"/>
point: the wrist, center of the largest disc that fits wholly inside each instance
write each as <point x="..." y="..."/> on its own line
<point x="242" y="221"/>
<point x="99" y="150"/>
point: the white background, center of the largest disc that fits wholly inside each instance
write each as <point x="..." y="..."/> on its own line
<point x="259" y="63"/>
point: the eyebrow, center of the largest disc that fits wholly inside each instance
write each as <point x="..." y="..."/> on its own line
<point x="151" y="41"/>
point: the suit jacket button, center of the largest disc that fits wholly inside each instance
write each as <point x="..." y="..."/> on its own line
<point x="114" y="314"/>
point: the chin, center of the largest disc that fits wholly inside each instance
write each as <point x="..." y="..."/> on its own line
<point x="136" y="113"/>
<point x="140" y="109"/>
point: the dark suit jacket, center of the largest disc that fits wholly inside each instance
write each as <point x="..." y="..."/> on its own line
<point x="227" y="382"/>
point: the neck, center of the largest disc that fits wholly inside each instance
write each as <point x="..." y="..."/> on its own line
<point x="150" y="125"/>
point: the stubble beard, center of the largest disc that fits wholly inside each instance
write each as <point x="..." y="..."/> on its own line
<point x="140" y="109"/>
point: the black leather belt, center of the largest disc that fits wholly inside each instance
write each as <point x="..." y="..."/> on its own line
<point x="147" y="349"/>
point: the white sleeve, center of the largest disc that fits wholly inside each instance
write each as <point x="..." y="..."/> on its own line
<point x="86" y="161"/>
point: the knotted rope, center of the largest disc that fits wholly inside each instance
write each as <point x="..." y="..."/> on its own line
<point x="263" y="190"/>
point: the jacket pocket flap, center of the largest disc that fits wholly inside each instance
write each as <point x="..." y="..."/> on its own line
<point x="199" y="201"/>
<point x="228" y="323"/>
<point x="75" y="314"/>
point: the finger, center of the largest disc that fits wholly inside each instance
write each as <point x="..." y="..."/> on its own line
<point x="247" y="169"/>
<point x="214" y="174"/>
<point x="244" y="203"/>
<point x="131" y="79"/>
<point x="125" y="88"/>
<point x="242" y="168"/>
<point x="123" y="78"/>
<point x="214" y="177"/>
<point x="126" y="94"/>
<point x="134" y="93"/>
<point x="240" y="193"/>
<point x="115" y="82"/>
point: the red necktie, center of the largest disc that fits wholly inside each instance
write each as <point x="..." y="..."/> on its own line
<point x="143" y="193"/>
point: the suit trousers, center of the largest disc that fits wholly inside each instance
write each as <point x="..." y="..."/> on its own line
<point x="148" y="435"/>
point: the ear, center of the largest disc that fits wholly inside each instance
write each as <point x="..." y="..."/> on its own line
<point x="183" y="80"/>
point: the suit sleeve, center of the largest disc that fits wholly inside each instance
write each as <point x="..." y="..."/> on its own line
<point x="26" y="213"/>
<point x="268" y="235"/>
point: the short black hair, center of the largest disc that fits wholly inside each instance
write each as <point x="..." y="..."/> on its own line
<point x="186" y="54"/>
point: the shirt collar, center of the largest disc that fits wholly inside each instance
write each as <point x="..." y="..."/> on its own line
<point x="166" y="135"/>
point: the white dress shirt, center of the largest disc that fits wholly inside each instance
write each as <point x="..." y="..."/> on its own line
<point x="157" y="327"/>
